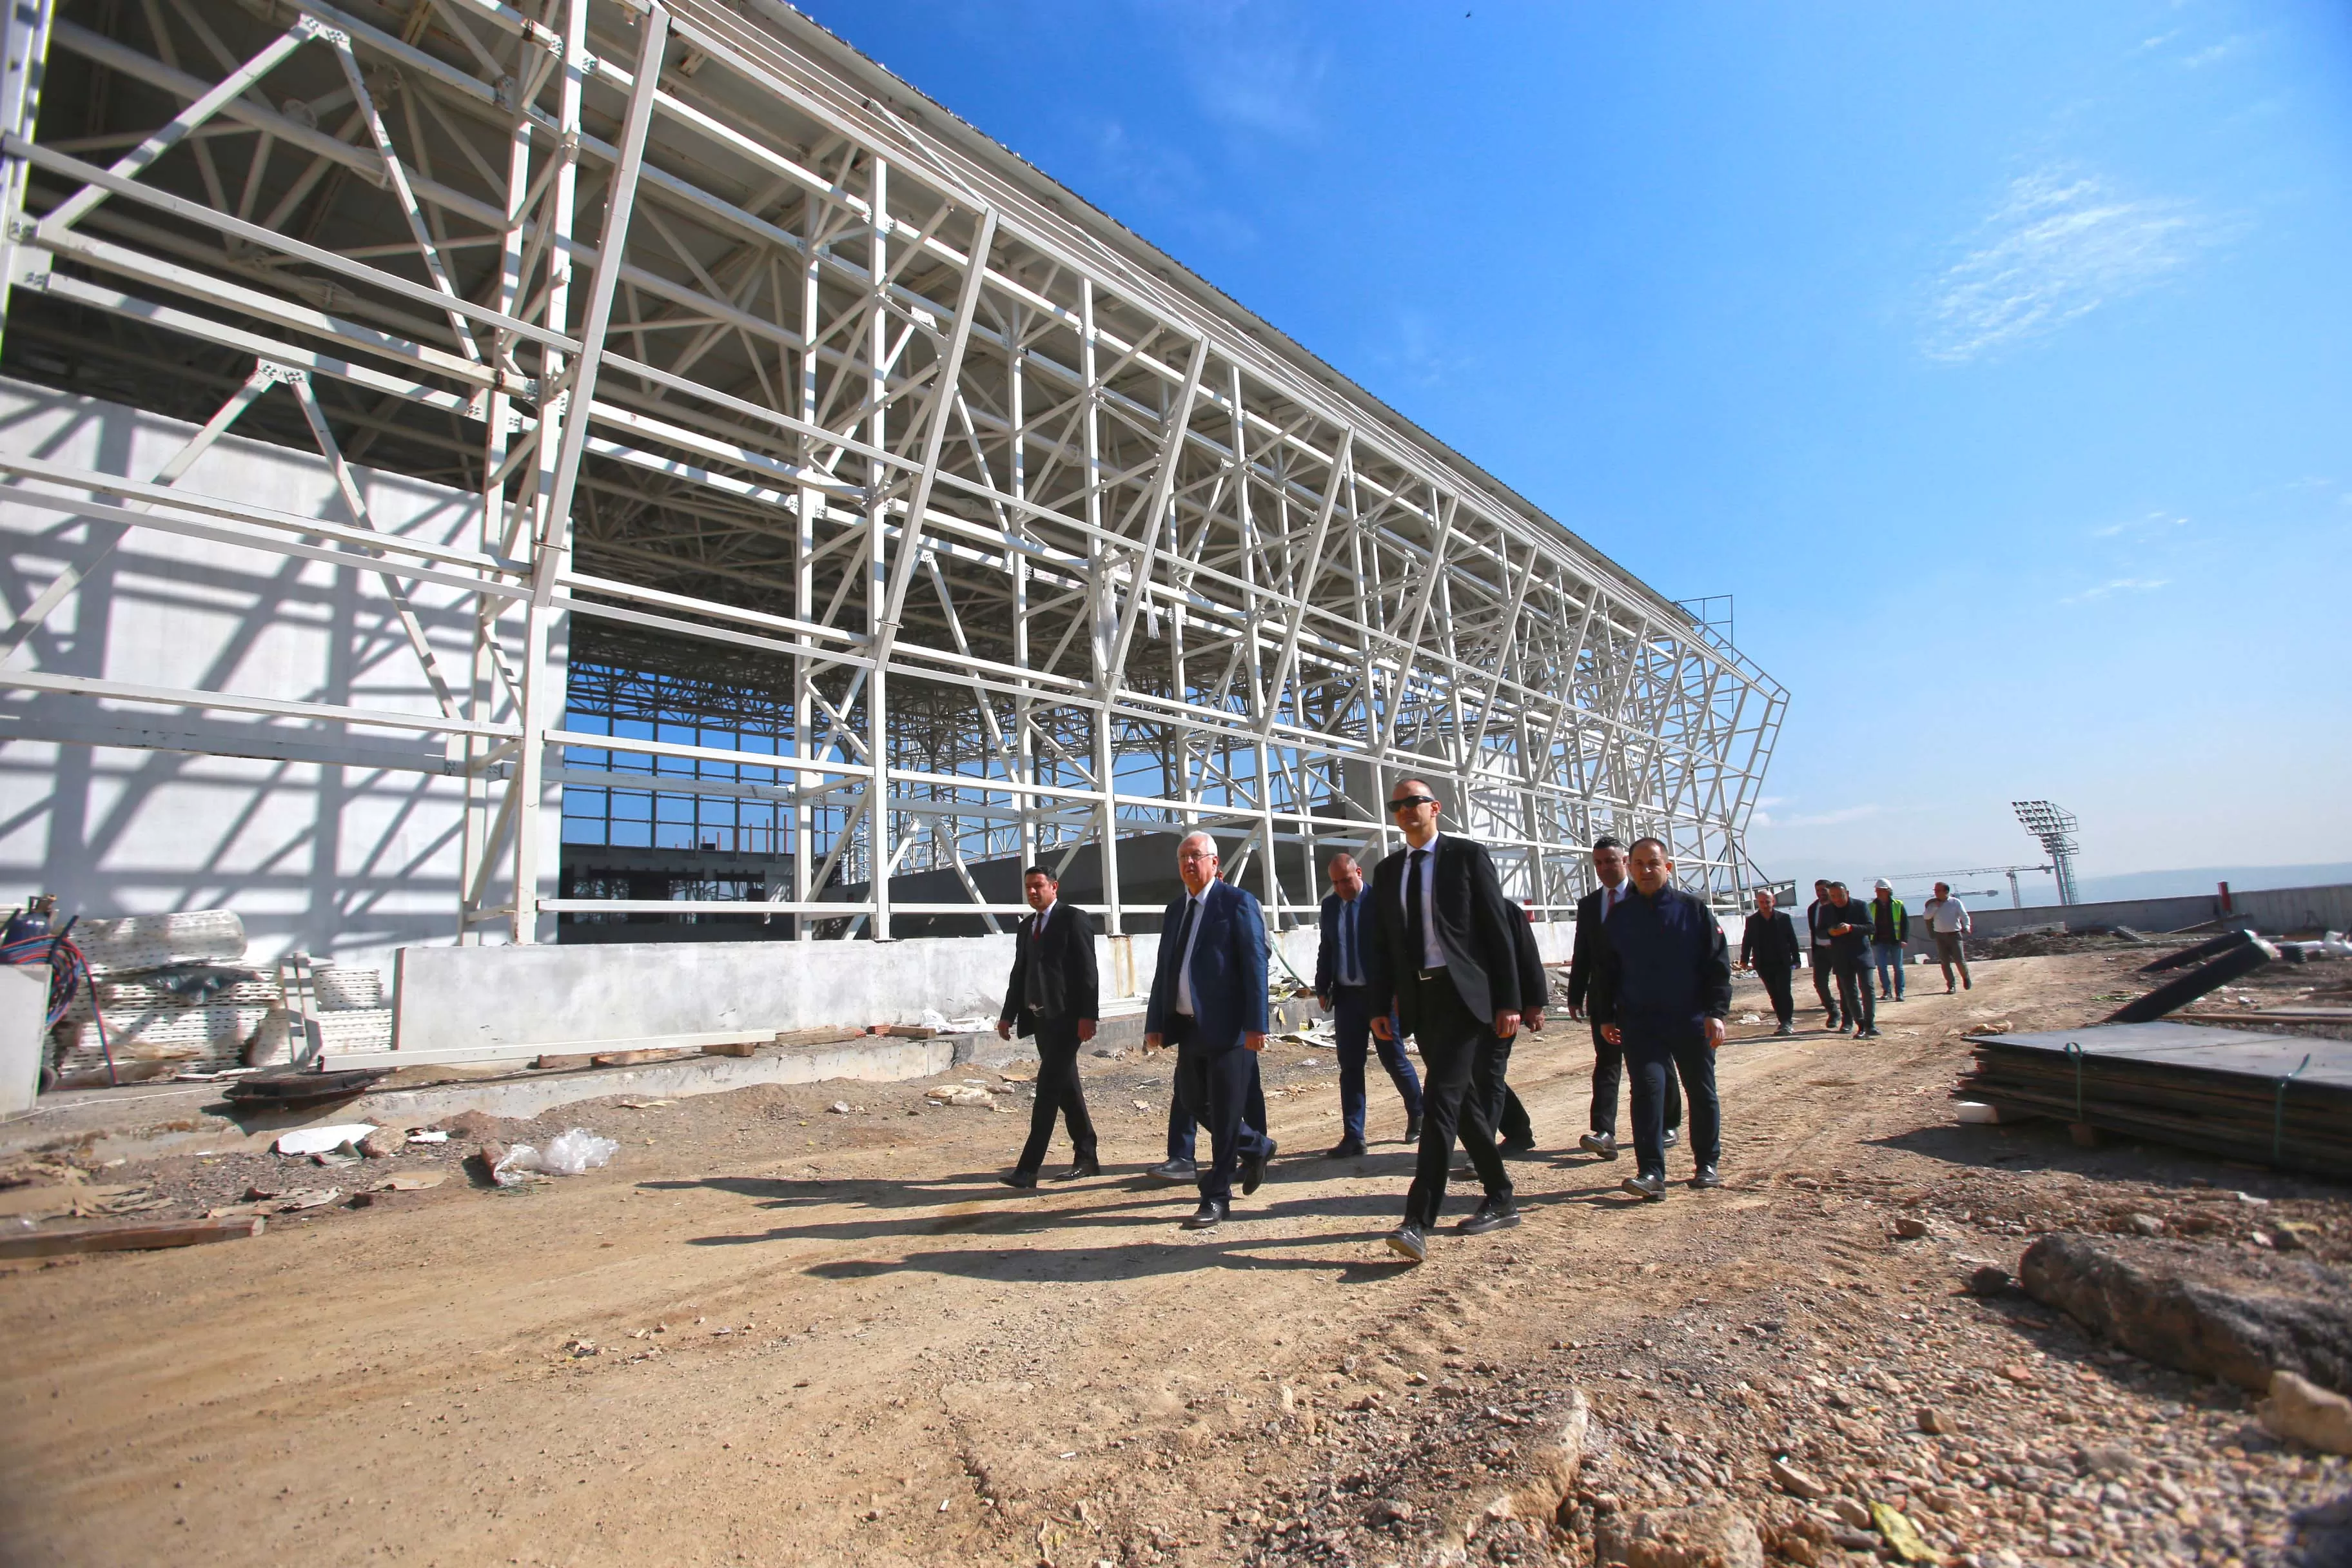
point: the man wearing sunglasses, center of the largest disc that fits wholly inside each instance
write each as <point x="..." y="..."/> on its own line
<point x="1446" y="955"/>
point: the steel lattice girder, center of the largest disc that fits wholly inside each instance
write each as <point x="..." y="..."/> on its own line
<point x="706" y="308"/>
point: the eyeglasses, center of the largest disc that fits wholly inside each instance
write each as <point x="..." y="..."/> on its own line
<point x="1407" y="802"/>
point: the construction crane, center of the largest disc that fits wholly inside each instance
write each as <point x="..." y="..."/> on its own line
<point x="2016" y="900"/>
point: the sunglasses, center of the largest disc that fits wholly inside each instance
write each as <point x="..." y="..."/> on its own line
<point x="1407" y="802"/>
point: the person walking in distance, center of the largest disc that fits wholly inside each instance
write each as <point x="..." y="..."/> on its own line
<point x="1890" y="928"/>
<point x="1768" y="947"/>
<point x="1446" y="958"/>
<point x="1662" y="989"/>
<point x="1824" y="966"/>
<point x="1342" y="985"/>
<point x="1948" y="923"/>
<point x="1208" y="999"/>
<point x="1847" y="925"/>
<point x="1055" y="995"/>
<point x="1608" y="1060"/>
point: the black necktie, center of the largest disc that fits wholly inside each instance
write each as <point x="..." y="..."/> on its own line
<point x="1416" y="923"/>
<point x="1184" y="940"/>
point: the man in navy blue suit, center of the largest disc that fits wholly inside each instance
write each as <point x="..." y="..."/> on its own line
<point x="1343" y="985"/>
<point x="1208" y="1000"/>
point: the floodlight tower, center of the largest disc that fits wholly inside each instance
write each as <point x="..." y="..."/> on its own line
<point x="2055" y="828"/>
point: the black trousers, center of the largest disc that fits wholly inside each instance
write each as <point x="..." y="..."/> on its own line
<point x="1776" y="985"/>
<point x="1854" y="983"/>
<point x="1217" y="1084"/>
<point x="1058" y="1094"/>
<point x="1457" y="1090"/>
<point x="1822" y="965"/>
<point x="1182" y="1120"/>
<point x="1608" y="1070"/>
<point x="1658" y="1055"/>
<point x="1504" y="1114"/>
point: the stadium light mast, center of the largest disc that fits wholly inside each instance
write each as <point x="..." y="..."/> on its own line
<point x="2055" y="828"/>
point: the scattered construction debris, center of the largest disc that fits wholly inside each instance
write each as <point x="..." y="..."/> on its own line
<point x="59" y="1240"/>
<point x="2278" y="1099"/>
<point x="2234" y="962"/>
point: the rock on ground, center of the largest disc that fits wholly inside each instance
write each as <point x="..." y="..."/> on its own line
<point x="2199" y="1313"/>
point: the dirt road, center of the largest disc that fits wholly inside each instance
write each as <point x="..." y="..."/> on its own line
<point x="822" y="1337"/>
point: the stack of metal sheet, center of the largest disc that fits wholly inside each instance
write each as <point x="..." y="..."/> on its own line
<point x="2279" y="1100"/>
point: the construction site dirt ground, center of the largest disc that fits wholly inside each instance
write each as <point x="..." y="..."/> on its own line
<point x="772" y="1333"/>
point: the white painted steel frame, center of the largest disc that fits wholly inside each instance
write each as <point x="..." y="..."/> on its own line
<point x="1022" y="513"/>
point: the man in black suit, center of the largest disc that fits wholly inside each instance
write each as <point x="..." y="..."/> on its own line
<point x="1608" y="1059"/>
<point x="1447" y="960"/>
<point x="1767" y="945"/>
<point x="1341" y="985"/>
<point x="1208" y="999"/>
<point x="1054" y="994"/>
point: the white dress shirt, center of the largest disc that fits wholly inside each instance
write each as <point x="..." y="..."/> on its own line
<point x="1946" y="915"/>
<point x="1043" y="915"/>
<point x="1433" y="951"/>
<point x="1184" y="960"/>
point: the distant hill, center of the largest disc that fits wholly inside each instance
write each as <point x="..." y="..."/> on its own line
<point x="2191" y="879"/>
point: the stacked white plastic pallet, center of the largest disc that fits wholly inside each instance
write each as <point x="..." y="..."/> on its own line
<point x="145" y="1022"/>
<point x="352" y="1015"/>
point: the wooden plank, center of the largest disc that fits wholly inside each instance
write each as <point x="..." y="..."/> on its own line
<point x="638" y="1059"/>
<point x="831" y="1035"/>
<point x="731" y="1048"/>
<point x="562" y="1062"/>
<point x="61" y="1240"/>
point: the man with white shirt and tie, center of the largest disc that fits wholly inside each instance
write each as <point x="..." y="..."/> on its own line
<point x="1342" y="986"/>
<point x="1208" y="1000"/>
<point x="1054" y="994"/>
<point x="1608" y="1059"/>
<point x="1450" y="957"/>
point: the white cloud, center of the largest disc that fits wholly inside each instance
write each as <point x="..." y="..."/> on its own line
<point x="1843" y="813"/>
<point x="1253" y="69"/>
<point x="2058" y="246"/>
<point x="2155" y="526"/>
<point x="2117" y="586"/>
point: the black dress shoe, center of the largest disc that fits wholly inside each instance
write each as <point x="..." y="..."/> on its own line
<point x="1407" y="1242"/>
<point x="1512" y="1147"/>
<point x="1088" y="1166"/>
<point x="1650" y="1187"/>
<point x="1254" y="1168"/>
<point x="1019" y="1178"/>
<point x="1672" y="1136"/>
<point x="1208" y="1216"/>
<point x="1345" y="1149"/>
<point x="1707" y="1177"/>
<point x="1412" y="1129"/>
<point x="1492" y="1214"/>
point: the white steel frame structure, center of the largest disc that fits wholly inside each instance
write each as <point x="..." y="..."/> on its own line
<point x="752" y="354"/>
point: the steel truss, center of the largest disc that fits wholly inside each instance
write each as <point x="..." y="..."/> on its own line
<point x="1012" y="536"/>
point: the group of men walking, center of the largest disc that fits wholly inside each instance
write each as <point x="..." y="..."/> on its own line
<point x="1852" y="945"/>
<point x="1427" y="946"/>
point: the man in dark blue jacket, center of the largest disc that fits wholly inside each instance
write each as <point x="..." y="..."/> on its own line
<point x="1208" y="1000"/>
<point x="1343" y="985"/>
<point x="1662" y="989"/>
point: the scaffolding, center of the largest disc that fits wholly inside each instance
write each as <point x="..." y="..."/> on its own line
<point x="832" y="465"/>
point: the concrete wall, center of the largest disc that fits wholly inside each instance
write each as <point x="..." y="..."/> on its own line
<point x="455" y="998"/>
<point x="2273" y="910"/>
<point x="347" y="861"/>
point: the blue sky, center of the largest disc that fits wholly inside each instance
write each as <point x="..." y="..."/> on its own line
<point x="1998" y="357"/>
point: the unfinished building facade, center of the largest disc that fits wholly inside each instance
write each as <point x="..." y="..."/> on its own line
<point x="660" y="466"/>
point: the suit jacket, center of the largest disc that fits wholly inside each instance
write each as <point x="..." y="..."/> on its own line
<point x="1327" y="943"/>
<point x="1228" y="969"/>
<point x="1486" y="957"/>
<point x="1586" y="951"/>
<point x="1065" y="960"/>
<point x="1769" y="939"/>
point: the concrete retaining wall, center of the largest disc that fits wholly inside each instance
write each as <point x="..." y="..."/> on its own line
<point x="346" y="861"/>
<point x="2272" y="910"/>
<point x="461" y="998"/>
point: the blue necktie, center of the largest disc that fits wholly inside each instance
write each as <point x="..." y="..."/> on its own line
<point x="1348" y="973"/>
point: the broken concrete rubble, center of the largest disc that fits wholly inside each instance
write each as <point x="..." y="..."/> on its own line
<point x="2239" y="1322"/>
